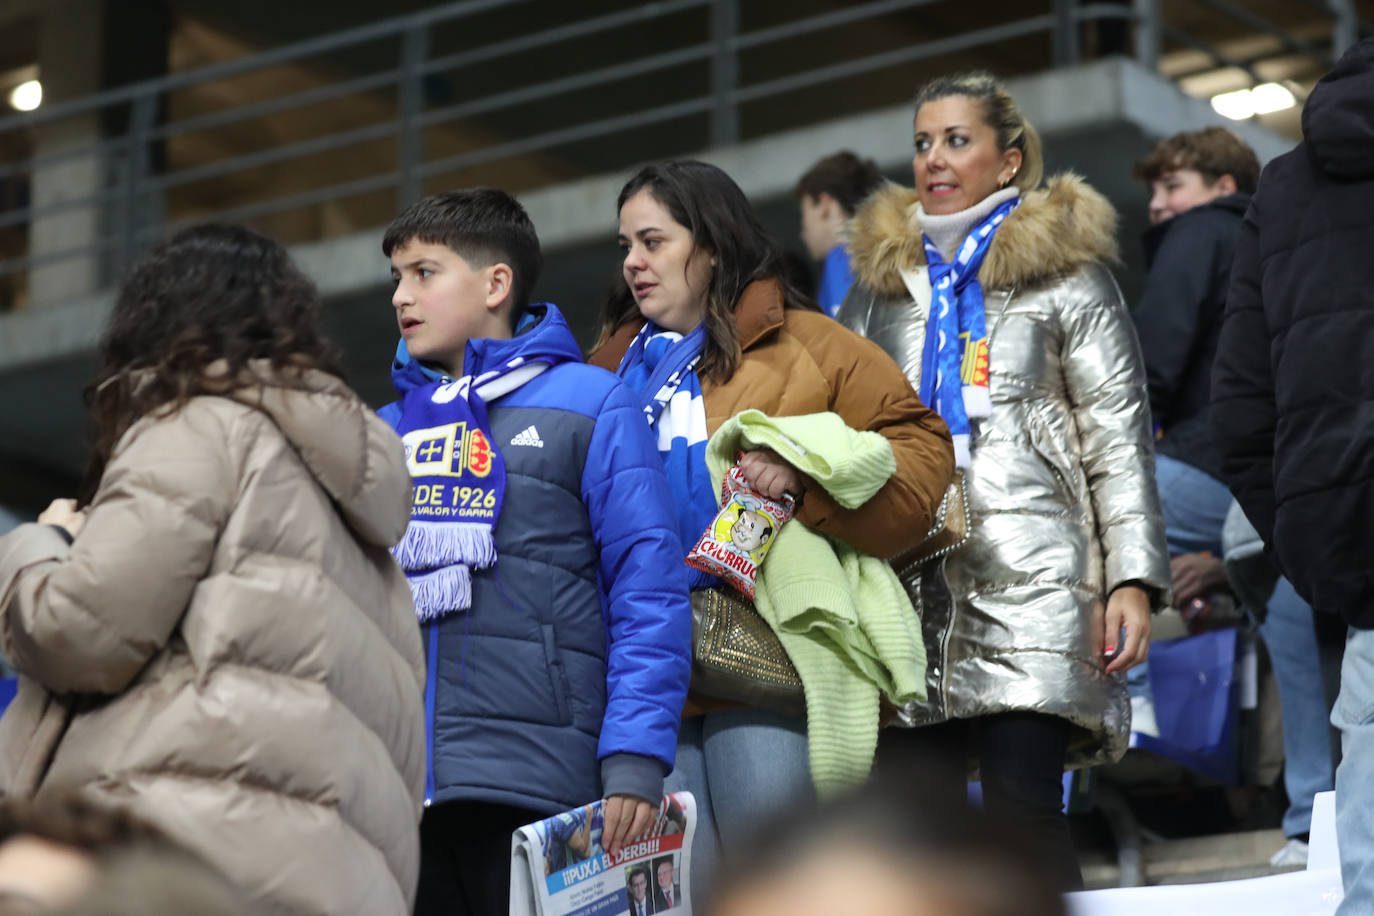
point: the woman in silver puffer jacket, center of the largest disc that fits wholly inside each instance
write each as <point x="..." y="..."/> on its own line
<point x="1029" y="622"/>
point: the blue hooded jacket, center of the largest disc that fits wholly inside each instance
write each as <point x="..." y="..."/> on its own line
<point x="577" y="648"/>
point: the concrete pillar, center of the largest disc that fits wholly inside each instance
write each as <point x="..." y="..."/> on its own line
<point x="85" y="46"/>
<point x="1345" y="33"/>
<point x="70" y="60"/>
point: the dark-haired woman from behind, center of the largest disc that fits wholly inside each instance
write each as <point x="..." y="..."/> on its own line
<point x="702" y="290"/>
<point x="219" y="639"/>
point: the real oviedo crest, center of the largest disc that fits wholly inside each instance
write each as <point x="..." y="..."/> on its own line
<point x="447" y="451"/>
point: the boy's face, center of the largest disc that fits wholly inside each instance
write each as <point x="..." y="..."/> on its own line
<point x="818" y="229"/>
<point x="441" y="302"/>
<point x="1183" y="189"/>
<point x="850" y="881"/>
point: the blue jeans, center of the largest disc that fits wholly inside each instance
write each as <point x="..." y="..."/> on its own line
<point x="1195" y="505"/>
<point x="1291" y="637"/>
<point x="1354" y="716"/>
<point x="742" y="766"/>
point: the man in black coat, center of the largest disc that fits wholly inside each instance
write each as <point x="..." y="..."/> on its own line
<point x="1293" y="403"/>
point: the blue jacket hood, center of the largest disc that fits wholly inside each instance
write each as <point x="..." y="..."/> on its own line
<point x="542" y="334"/>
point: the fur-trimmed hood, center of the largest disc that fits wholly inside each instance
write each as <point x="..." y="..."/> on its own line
<point x="1056" y="230"/>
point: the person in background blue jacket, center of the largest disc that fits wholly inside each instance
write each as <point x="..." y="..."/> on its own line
<point x="541" y="554"/>
<point x="829" y="195"/>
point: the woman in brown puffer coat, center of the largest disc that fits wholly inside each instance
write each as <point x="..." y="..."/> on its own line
<point x="220" y="640"/>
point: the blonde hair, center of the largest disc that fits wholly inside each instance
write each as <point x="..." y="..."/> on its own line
<point x="1000" y="113"/>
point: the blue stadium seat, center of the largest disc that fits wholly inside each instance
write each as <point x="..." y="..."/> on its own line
<point x="8" y="686"/>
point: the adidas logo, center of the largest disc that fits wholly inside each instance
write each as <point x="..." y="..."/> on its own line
<point x="528" y="437"/>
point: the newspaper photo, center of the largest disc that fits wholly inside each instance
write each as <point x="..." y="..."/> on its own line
<point x="558" y="867"/>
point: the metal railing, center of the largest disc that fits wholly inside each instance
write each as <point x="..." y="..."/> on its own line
<point x="131" y="176"/>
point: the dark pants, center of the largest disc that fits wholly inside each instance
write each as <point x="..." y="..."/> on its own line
<point x="465" y="858"/>
<point x="1331" y="633"/>
<point x="1021" y="756"/>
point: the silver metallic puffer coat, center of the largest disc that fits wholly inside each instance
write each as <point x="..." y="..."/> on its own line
<point x="1061" y="489"/>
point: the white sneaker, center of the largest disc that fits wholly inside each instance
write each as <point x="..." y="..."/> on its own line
<point x="1292" y="855"/>
<point x="1143" y="717"/>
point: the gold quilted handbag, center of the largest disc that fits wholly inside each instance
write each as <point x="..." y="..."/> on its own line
<point x="948" y="531"/>
<point x="736" y="655"/>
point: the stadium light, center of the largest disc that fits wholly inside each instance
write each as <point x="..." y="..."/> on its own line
<point x="1271" y="97"/>
<point x="27" y="95"/>
<point x="1238" y="105"/>
<point x="1242" y="104"/>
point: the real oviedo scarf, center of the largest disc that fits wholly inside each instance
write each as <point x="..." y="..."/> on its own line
<point x="459" y="480"/>
<point x="660" y="366"/>
<point x="954" y="363"/>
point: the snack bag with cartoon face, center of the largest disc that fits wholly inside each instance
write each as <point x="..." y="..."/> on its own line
<point x="735" y="544"/>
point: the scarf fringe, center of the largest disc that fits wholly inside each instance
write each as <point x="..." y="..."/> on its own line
<point x="433" y="545"/>
<point x="441" y="592"/>
<point x="977" y="402"/>
<point x="962" y="457"/>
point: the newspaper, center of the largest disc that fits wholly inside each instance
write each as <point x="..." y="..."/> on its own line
<point x="558" y="867"/>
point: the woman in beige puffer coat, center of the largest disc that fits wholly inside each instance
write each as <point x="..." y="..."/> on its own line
<point x="226" y="646"/>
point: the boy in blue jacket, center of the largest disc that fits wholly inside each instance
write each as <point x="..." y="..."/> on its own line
<point x="546" y="572"/>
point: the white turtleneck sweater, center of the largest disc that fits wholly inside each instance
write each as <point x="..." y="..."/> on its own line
<point x="947" y="231"/>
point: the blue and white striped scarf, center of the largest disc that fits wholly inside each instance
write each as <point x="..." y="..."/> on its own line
<point x="460" y="484"/>
<point x="661" y="368"/>
<point x="954" y="362"/>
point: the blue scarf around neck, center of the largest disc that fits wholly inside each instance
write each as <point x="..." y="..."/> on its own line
<point x="459" y="481"/>
<point x="660" y="366"/>
<point x="954" y="362"/>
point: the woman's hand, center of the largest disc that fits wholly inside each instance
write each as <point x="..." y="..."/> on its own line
<point x="64" y="514"/>
<point x="770" y="475"/>
<point x="1128" y="609"/>
<point x="624" y="819"/>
